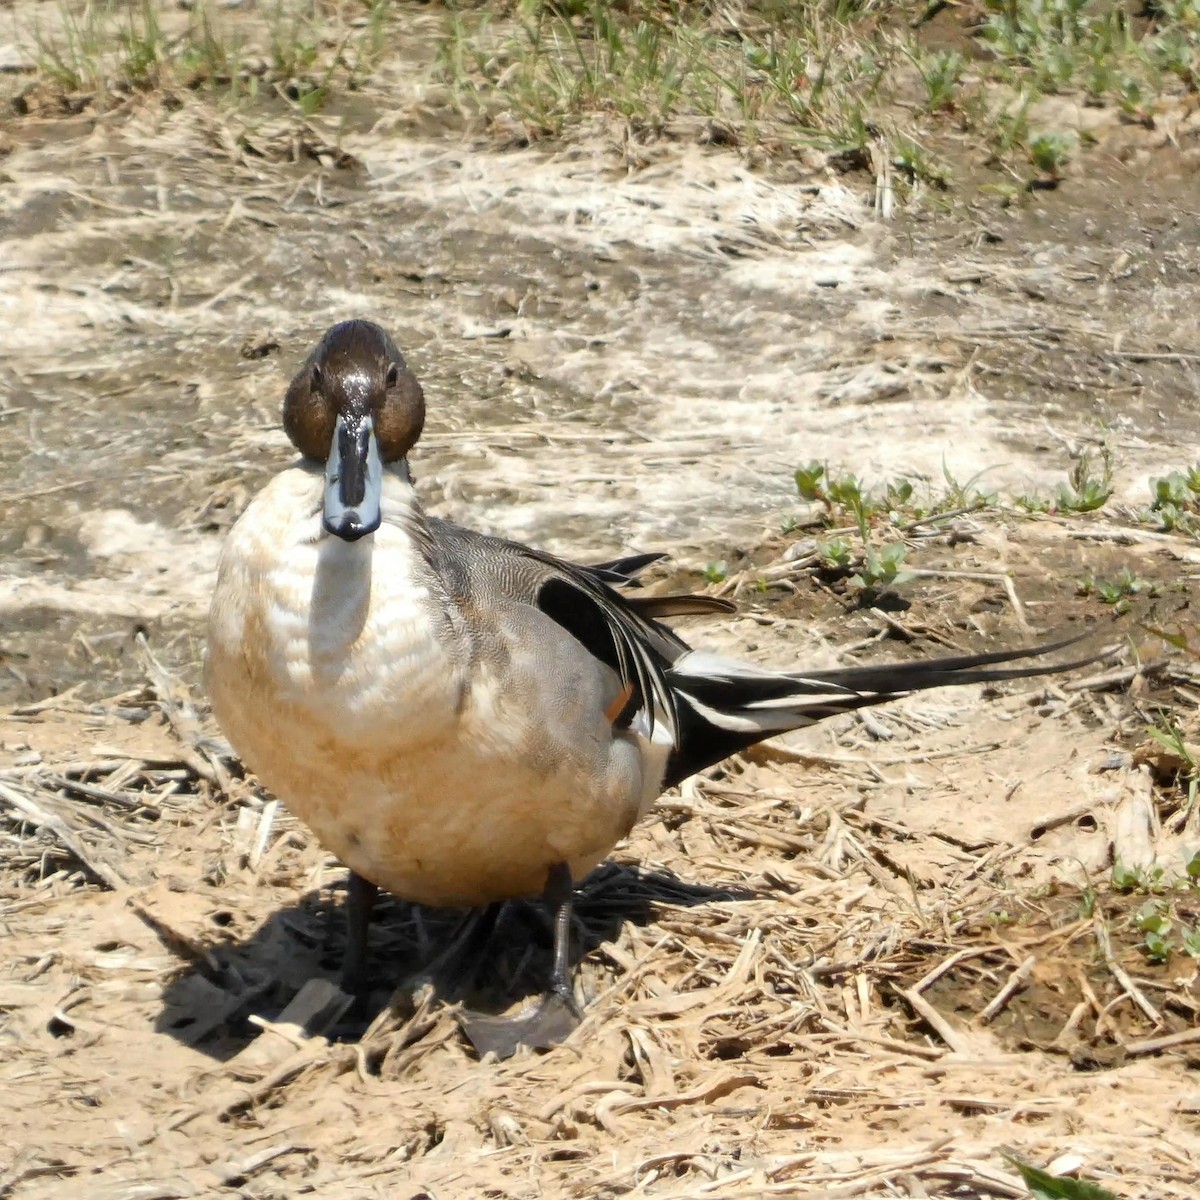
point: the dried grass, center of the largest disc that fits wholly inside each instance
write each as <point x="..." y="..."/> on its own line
<point x="846" y="1017"/>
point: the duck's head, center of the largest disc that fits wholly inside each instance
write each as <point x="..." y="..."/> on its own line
<point x="354" y="406"/>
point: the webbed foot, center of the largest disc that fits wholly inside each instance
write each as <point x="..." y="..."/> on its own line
<point x="554" y="1019"/>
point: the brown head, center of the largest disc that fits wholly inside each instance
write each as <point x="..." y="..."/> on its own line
<point x="354" y="405"/>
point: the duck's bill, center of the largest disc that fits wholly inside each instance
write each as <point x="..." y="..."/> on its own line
<point x="353" y="480"/>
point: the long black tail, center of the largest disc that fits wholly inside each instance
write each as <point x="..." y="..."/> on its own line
<point x="725" y="705"/>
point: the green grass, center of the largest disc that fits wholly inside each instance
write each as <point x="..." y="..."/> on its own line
<point x="104" y="52"/>
<point x="1115" y="592"/>
<point x="1167" y="921"/>
<point x="867" y="82"/>
<point x="880" y="515"/>
<point x="1084" y="491"/>
<point x="810" y="77"/>
<point x="1170" y="920"/>
<point x="865" y="527"/>
<point x="1168" y="733"/>
<point x="864" y="79"/>
<point x="1044" y="1186"/>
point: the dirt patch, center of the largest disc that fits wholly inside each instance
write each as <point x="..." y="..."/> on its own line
<point x="1070" y="972"/>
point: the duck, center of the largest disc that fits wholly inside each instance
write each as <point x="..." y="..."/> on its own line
<point x="459" y="718"/>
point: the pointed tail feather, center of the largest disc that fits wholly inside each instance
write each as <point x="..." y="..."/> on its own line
<point x="950" y="671"/>
<point x="726" y="705"/>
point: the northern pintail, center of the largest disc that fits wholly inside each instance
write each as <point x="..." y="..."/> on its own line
<point x="462" y="719"/>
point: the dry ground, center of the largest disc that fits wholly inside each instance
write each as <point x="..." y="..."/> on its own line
<point x="859" y="964"/>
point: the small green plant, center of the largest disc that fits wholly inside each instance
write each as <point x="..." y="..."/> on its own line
<point x="1044" y="1186"/>
<point x="1166" y="926"/>
<point x="1167" y="732"/>
<point x="1049" y="153"/>
<point x="835" y="555"/>
<point x="143" y="46"/>
<point x="1179" y="639"/>
<point x="73" y="60"/>
<point x="1126" y="879"/>
<point x="1175" y="52"/>
<point x="1115" y="592"/>
<point x="809" y="481"/>
<point x="1001" y="918"/>
<point x="1190" y="942"/>
<point x="845" y="498"/>
<point x="882" y="568"/>
<point x="1175" y="500"/>
<point x="941" y="74"/>
<point x="965" y="496"/>
<point x="1034" y="502"/>
<point x="842" y="496"/>
<point x="209" y="58"/>
<point x="1153" y="880"/>
<point x="1152" y="920"/>
<point x="848" y="503"/>
<point x="1167" y="920"/>
<point x="1010" y="128"/>
<point x="1085" y="491"/>
<point x="716" y="572"/>
<point x="919" y="165"/>
<point x="848" y="493"/>
<point x="103" y="51"/>
<point x="898" y="495"/>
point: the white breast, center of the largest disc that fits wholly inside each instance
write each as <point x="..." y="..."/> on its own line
<point x="340" y="632"/>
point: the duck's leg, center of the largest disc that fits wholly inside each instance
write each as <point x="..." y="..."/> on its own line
<point x="360" y="899"/>
<point x="557" y="1014"/>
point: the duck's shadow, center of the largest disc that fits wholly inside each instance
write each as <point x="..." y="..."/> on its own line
<point x="208" y="1005"/>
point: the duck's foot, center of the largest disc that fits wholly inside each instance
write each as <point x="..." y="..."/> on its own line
<point x="557" y="1015"/>
<point x="551" y="1023"/>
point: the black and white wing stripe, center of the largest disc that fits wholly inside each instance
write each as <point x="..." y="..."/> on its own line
<point x="637" y="647"/>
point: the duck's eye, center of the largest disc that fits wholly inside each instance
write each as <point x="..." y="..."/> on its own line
<point x="318" y="377"/>
<point x="393" y="375"/>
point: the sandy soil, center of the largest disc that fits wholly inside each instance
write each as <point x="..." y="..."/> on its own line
<point x="790" y="965"/>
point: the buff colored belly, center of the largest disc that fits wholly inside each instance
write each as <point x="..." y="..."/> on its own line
<point x="450" y="820"/>
<point x="440" y="825"/>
